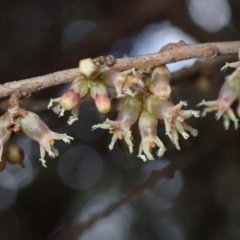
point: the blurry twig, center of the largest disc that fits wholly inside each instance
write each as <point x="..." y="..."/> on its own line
<point x="201" y="66"/>
<point x="167" y="172"/>
<point x="170" y="55"/>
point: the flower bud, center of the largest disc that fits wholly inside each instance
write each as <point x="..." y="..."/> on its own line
<point x="37" y="130"/>
<point x="103" y="103"/>
<point x="71" y="99"/>
<point x="99" y="94"/>
<point x="14" y="154"/>
<point x="159" y="84"/>
<point x="88" y="69"/>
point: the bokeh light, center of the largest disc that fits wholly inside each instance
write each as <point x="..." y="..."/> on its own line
<point x="155" y="36"/>
<point x="80" y="167"/>
<point x="167" y="229"/>
<point x="115" y="226"/>
<point x="162" y="195"/>
<point x="23" y="176"/>
<point x="75" y="31"/>
<point x="8" y="190"/>
<point x="211" y="15"/>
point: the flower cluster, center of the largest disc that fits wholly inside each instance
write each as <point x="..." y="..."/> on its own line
<point x="228" y="94"/>
<point x="101" y="83"/>
<point x="143" y="98"/>
<point x="18" y="120"/>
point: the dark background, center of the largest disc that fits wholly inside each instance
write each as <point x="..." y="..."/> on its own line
<point x="38" y="37"/>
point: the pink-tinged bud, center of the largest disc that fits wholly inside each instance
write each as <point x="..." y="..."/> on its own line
<point x="88" y="68"/>
<point x="37" y="130"/>
<point x="71" y="99"/>
<point x="127" y="116"/>
<point x="103" y="103"/>
<point x="159" y="84"/>
<point x="173" y="117"/>
<point x="100" y="95"/>
<point x="5" y="131"/>
<point x="148" y="130"/>
<point x="228" y="94"/>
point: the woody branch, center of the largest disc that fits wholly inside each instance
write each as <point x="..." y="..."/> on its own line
<point x="172" y="53"/>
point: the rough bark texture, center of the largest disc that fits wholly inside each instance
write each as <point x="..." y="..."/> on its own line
<point x="173" y="53"/>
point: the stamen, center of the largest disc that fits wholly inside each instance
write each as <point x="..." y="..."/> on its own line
<point x="152" y="144"/>
<point x="129" y="81"/>
<point x="120" y="135"/>
<point x="180" y="119"/>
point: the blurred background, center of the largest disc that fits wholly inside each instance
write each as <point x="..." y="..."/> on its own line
<point x="200" y="202"/>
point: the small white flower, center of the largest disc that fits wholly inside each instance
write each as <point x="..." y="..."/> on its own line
<point x="148" y="130"/>
<point x="228" y="94"/>
<point x="173" y="116"/>
<point x="37" y="130"/>
<point x="119" y="131"/>
<point x="127" y="116"/>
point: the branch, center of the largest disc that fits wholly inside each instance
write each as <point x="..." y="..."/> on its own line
<point x="209" y="65"/>
<point x="173" y="53"/>
<point x="182" y="162"/>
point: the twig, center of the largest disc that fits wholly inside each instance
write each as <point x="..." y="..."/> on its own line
<point x="171" y="55"/>
<point x="167" y="172"/>
<point x="201" y="66"/>
<point x="198" y="67"/>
